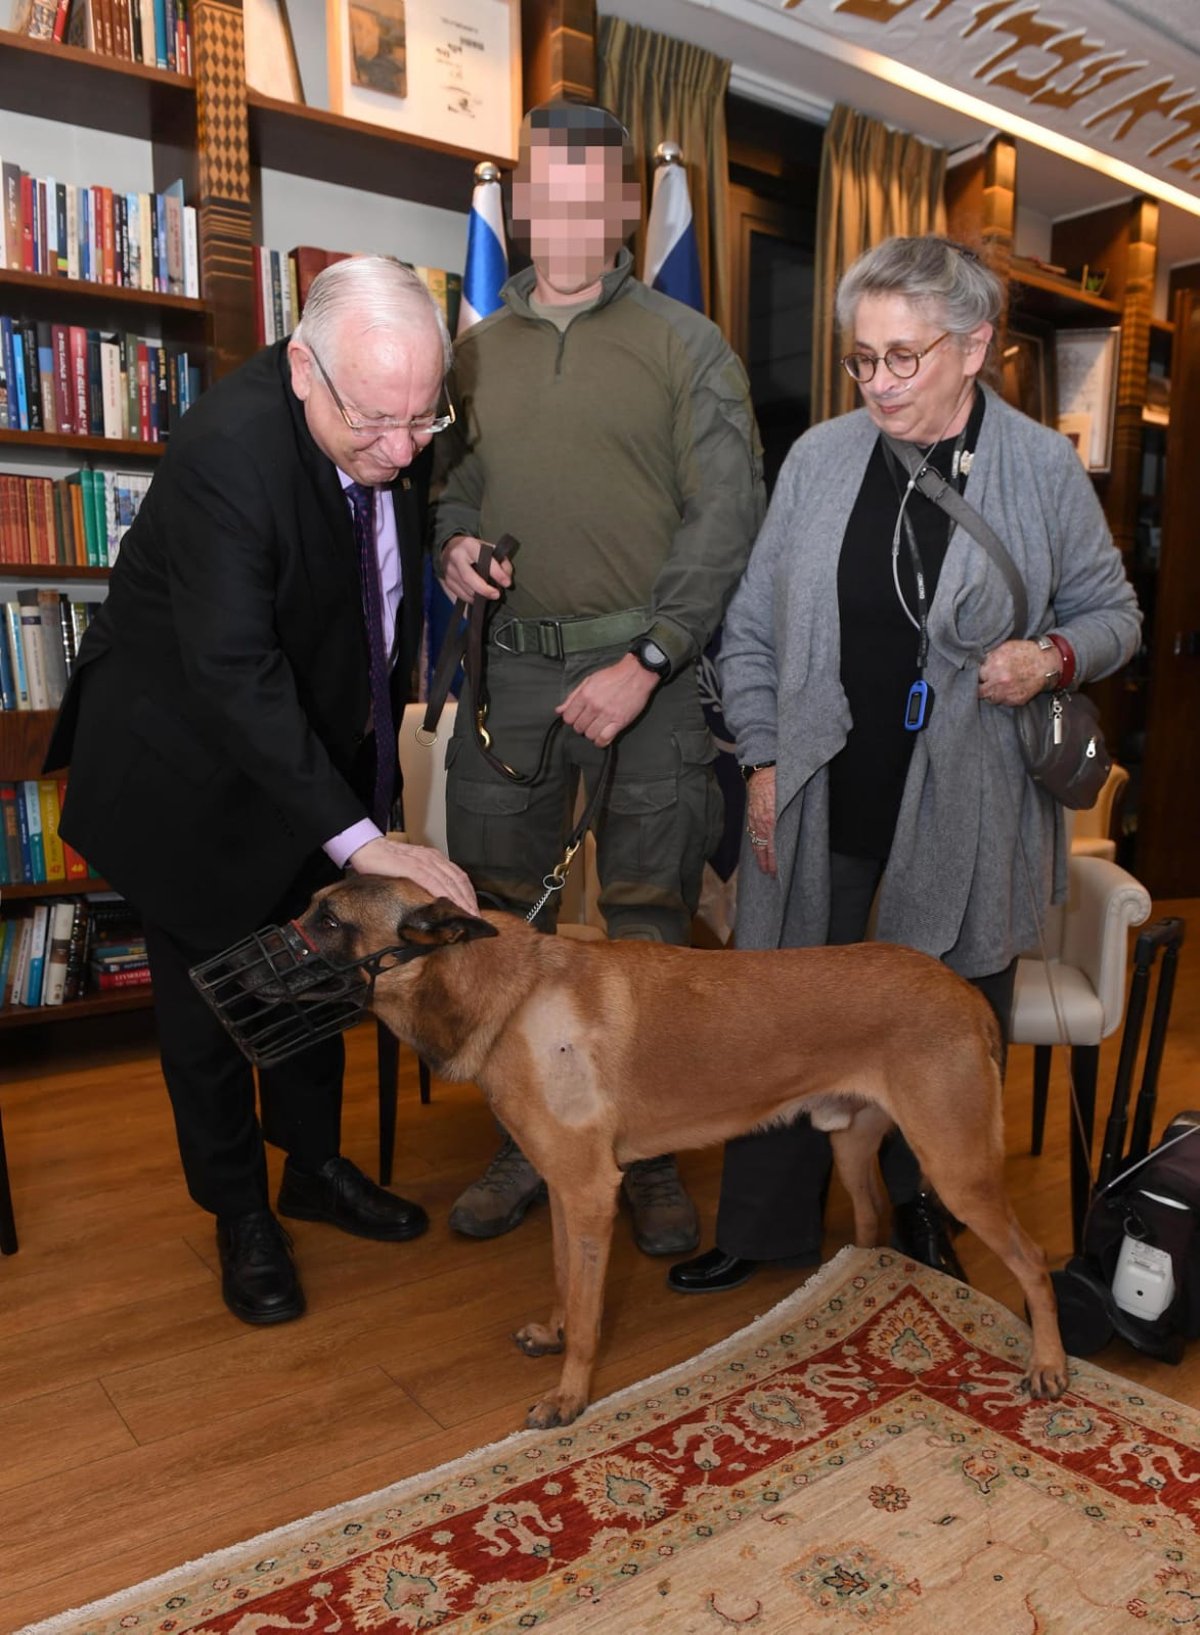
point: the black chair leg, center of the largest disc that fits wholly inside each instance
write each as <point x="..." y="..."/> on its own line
<point x="387" y="1048"/>
<point x="1085" y="1062"/>
<point x="8" y="1224"/>
<point x="1041" y="1095"/>
<point x="423" y="1081"/>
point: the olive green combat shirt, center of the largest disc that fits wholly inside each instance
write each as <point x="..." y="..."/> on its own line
<point x="622" y="454"/>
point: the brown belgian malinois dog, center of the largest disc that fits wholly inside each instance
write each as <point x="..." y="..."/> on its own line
<point x="594" y="1054"/>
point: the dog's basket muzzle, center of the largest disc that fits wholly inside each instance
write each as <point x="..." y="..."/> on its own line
<point x="276" y="994"/>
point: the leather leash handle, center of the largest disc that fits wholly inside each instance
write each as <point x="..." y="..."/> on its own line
<point x="455" y="642"/>
<point x="465" y="640"/>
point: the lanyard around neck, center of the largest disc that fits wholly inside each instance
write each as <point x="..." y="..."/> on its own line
<point x="904" y="523"/>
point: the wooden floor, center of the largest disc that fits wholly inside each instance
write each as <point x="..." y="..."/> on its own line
<point x="142" y="1426"/>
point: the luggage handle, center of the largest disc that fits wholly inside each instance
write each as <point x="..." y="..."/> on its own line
<point x="1166" y="934"/>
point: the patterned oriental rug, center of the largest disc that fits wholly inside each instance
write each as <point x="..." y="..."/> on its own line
<point x="860" y="1458"/>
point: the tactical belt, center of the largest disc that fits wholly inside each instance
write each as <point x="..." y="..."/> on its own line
<point x="559" y="638"/>
<point x="466" y="638"/>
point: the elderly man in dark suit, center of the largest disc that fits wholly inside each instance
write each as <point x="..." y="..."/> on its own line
<point x="263" y="617"/>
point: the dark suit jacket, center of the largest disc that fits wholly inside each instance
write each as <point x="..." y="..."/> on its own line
<point x="214" y="725"/>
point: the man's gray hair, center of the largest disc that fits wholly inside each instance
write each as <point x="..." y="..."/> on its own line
<point x="948" y="280"/>
<point x="380" y="292"/>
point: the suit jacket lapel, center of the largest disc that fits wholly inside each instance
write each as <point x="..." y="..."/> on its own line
<point x="322" y="474"/>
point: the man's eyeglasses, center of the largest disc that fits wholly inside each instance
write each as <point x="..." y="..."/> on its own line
<point x="900" y="361"/>
<point x="423" y="426"/>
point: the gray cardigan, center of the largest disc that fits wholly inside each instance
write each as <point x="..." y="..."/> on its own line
<point x="955" y="884"/>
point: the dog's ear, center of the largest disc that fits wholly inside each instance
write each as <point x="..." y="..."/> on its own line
<point x="442" y="922"/>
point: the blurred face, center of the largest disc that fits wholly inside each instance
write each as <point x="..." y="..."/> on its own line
<point x="933" y="402"/>
<point x="575" y="208"/>
<point x="378" y="376"/>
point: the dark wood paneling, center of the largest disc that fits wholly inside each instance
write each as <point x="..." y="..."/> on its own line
<point x="24" y="739"/>
<point x="1168" y="842"/>
<point x="558" y="55"/>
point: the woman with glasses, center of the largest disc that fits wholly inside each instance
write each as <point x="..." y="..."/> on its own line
<point x="869" y="671"/>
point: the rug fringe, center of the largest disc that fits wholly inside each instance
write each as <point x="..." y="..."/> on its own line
<point x="65" y="1623"/>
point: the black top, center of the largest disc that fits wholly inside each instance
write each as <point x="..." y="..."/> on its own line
<point x="879" y="645"/>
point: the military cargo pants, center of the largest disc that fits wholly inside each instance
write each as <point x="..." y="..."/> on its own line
<point x="660" y="819"/>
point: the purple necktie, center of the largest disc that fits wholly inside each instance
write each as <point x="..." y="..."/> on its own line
<point x="362" y="504"/>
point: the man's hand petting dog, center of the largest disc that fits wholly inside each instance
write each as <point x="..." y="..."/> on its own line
<point x="428" y="868"/>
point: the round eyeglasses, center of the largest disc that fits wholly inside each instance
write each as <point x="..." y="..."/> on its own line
<point x="900" y="361"/>
<point x="425" y="425"/>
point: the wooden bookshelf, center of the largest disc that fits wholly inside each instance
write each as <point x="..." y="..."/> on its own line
<point x="43" y="78"/>
<point x="40" y="571"/>
<point x="125" y="447"/>
<point x="136" y="998"/>
<point x="1059" y="300"/>
<point x="88" y="289"/>
<point x="328" y="147"/>
<point x="24" y="740"/>
<point x="52" y="888"/>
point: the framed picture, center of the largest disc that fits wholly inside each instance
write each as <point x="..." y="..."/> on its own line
<point x="271" y="65"/>
<point x="1086" y="364"/>
<point x="449" y="74"/>
<point x="1077" y="429"/>
<point x="1027" y="370"/>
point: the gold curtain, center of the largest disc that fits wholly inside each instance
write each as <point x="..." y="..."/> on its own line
<point x="664" y="90"/>
<point x="875" y="182"/>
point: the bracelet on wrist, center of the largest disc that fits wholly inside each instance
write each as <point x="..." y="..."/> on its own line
<point x="758" y="766"/>
<point x="1067" y="654"/>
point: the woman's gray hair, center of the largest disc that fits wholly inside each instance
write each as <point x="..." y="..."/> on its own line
<point x="377" y="290"/>
<point x="934" y="273"/>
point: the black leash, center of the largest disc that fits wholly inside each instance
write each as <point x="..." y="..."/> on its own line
<point x="465" y="641"/>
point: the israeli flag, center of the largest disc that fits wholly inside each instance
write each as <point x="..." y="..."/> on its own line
<point x="672" y="262"/>
<point x="487" y="256"/>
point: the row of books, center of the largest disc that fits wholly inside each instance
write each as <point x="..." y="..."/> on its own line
<point x="282" y="280"/>
<point x="52" y="953"/>
<point x="76" y="521"/>
<point x="40" y="634"/>
<point x="156" y="32"/>
<point x="141" y="241"/>
<point x="73" y="381"/>
<point x="33" y="852"/>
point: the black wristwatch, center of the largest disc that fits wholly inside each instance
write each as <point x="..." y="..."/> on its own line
<point x="748" y="771"/>
<point x="651" y="656"/>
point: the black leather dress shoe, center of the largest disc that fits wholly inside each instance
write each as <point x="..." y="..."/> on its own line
<point x="710" y="1273"/>
<point x="340" y="1194"/>
<point x="921" y="1229"/>
<point x="258" y="1281"/>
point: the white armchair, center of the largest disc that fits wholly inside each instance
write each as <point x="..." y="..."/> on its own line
<point x="1092" y="829"/>
<point x="1087" y="944"/>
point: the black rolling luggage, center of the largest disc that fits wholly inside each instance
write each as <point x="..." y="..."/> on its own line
<point x="1139" y="1273"/>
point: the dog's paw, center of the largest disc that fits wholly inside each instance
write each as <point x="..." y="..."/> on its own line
<point x="539" y="1339"/>
<point x="1046" y="1382"/>
<point x="559" y="1408"/>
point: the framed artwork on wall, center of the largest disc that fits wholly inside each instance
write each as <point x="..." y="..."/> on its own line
<point x="1027" y="369"/>
<point x="1077" y="429"/>
<point x="450" y="74"/>
<point x="271" y="65"/>
<point x="1086" y="363"/>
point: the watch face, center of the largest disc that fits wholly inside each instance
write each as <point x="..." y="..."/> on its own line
<point x="652" y="655"/>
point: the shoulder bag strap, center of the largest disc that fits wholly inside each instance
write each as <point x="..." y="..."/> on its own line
<point x="939" y="492"/>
